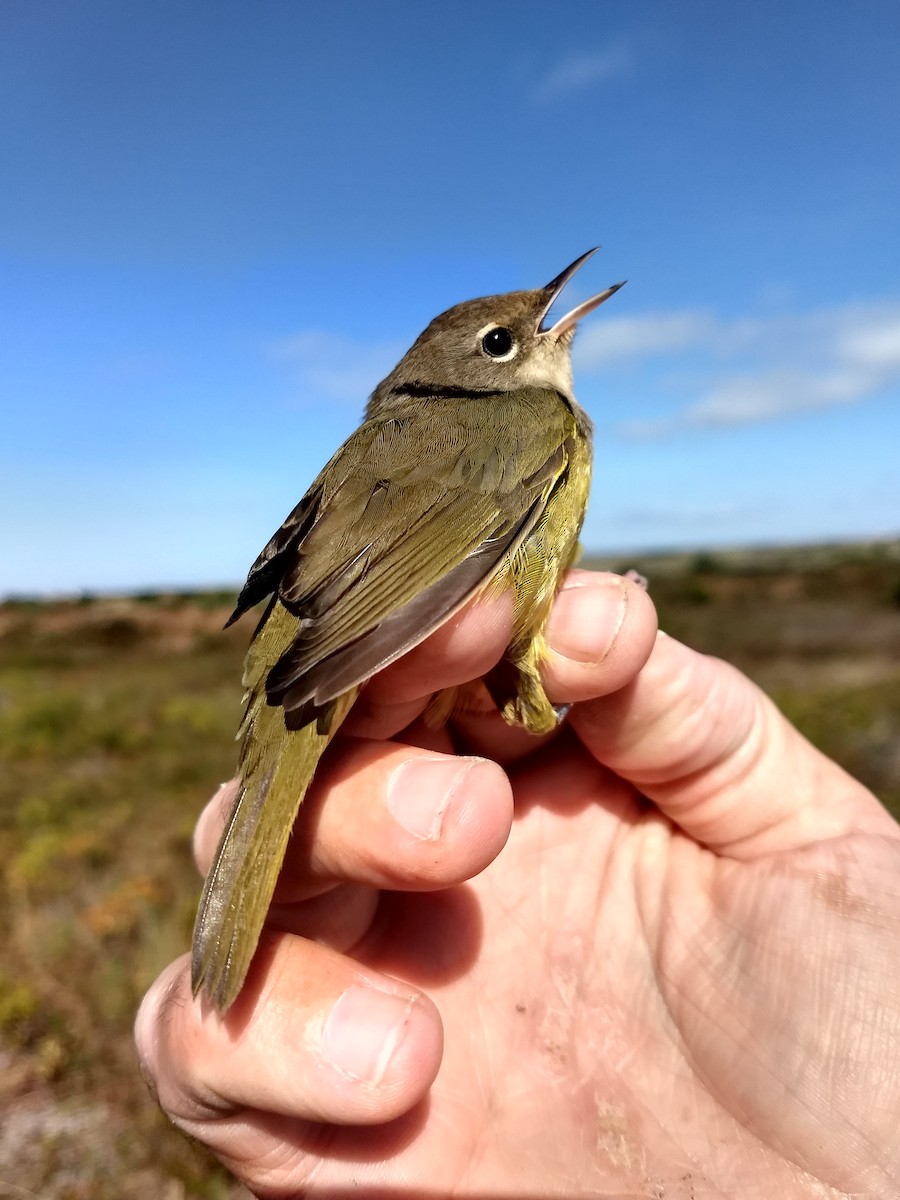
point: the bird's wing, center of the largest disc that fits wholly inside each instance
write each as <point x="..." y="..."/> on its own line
<point x="410" y="518"/>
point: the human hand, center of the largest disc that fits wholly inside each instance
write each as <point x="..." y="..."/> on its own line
<point x="675" y="974"/>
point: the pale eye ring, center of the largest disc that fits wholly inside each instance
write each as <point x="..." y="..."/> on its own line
<point x="498" y="343"/>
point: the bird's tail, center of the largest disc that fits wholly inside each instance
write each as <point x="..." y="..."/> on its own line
<point x="276" y="768"/>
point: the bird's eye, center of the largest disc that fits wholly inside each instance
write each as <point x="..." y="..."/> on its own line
<point x="497" y="342"/>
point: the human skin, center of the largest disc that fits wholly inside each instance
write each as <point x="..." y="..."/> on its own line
<point x="654" y="954"/>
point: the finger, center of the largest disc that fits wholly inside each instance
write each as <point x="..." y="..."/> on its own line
<point x="385" y="815"/>
<point x="395" y="816"/>
<point x="600" y="633"/>
<point x="464" y="648"/>
<point x="702" y="741"/>
<point x="313" y="1036"/>
<point x="337" y="915"/>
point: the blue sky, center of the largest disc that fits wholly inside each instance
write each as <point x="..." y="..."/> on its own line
<point x="221" y="223"/>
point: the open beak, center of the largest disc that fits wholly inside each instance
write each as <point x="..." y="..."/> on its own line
<point x="567" y="323"/>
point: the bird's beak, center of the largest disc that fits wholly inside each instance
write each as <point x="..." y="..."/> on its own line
<point x="567" y="323"/>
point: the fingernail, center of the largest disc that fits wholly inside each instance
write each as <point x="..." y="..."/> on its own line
<point x="587" y="617"/>
<point x="420" y="791"/>
<point x="363" y="1031"/>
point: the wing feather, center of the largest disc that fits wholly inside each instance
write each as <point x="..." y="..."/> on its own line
<point x="411" y="518"/>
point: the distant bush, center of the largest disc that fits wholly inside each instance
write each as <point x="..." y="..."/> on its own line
<point x="705" y="563"/>
<point x="223" y="598"/>
<point x="696" y="593"/>
<point x="115" y="632"/>
<point x="22" y="603"/>
<point x="204" y="600"/>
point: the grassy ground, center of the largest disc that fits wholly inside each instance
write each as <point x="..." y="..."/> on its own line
<point x="117" y="719"/>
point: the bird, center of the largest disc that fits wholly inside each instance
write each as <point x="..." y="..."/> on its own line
<point x="468" y="475"/>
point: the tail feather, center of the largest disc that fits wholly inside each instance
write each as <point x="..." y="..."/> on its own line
<point x="276" y="769"/>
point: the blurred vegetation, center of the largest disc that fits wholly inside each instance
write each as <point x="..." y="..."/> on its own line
<point x="117" y="721"/>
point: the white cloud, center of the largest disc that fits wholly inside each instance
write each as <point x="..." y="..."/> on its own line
<point x="762" y="397"/>
<point x="581" y="71"/>
<point x="776" y="365"/>
<point x="620" y="338"/>
<point x="328" y="365"/>
<point x="754" y="368"/>
<point x="875" y="344"/>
